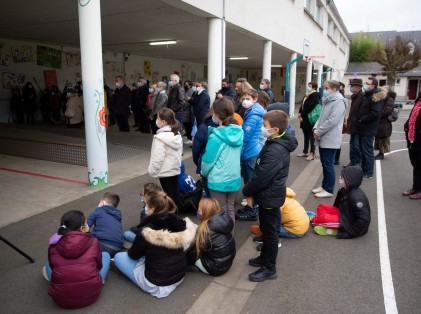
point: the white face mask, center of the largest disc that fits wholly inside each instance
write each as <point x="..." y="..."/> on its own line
<point x="117" y="84"/>
<point x="157" y="123"/>
<point x="265" y="132"/>
<point x="247" y="103"/>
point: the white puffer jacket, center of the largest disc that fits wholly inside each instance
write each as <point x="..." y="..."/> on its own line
<point x="166" y="152"/>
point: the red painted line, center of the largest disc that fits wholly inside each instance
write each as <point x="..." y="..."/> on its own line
<point x="43" y="176"/>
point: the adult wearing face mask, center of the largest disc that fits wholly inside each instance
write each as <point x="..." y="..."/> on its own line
<point x="368" y="123"/>
<point x="227" y="90"/>
<point x="200" y="102"/>
<point x="328" y="135"/>
<point x="265" y="86"/>
<point x="139" y="106"/>
<point x="121" y="104"/>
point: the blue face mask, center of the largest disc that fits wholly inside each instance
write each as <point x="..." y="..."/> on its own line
<point x="194" y="88"/>
<point x="325" y="93"/>
<point x="150" y="90"/>
<point x="365" y="87"/>
<point x="170" y="83"/>
<point x="215" y="120"/>
<point x="308" y="89"/>
<point x="261" y="87"/>
<point x="157" y="89"/>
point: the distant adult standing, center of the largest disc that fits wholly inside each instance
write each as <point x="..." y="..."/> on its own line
<point x="368" y="122"/>
<point x="29" y="96"/>
<point x="265" y="86"/>
<point x="311" y="99"/>
<point x="74" y="109"/>
<point x="200" y="102"/>
<point x="357" y="98"/>
<point x="227" y="90"/>
<point x="160" y="102"/>
<point x="121" y="104"/>
<point x="413" y="139"/>
<point x="176" y="97"/>
<point x="382" y="141"/>
<point x="328" y="135"/>
<point x="139" y="106"/>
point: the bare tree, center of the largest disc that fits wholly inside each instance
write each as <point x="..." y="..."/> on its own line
<point x="397" y="56"/>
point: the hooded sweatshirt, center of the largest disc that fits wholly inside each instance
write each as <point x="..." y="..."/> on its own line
<point x="107" y="222"/>
<point x="75" y="260"/>
<point x="185" y="183"/>
<point x="166" y="152"/>
<point x="221" y="161"/>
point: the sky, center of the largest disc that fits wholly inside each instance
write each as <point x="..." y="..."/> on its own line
<point x="380" y="15"/>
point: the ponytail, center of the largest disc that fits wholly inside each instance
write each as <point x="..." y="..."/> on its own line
<point x="168" y="116"/>
<point x="71" y="221"/>
<point x="161" y="203"/>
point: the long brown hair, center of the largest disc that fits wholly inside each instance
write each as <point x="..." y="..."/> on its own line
<point x="209" y="207"/>
<point x="224" y="109"/>
<point x="161" y="203"/>
<point x="168" y="116"/>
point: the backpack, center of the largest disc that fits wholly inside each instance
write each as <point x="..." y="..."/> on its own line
<point x="395" y="114"/>
<point x="314" y="115"/>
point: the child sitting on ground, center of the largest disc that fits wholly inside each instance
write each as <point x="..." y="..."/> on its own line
<point x="350" y="215"/>
<point x="76" y="268"/>
<point x="106" y="220"/>
<point x="156" y="262"/>
<point x="213" y="249"/>
<point x="293" y="217"/>
<point x="129" y="235"/>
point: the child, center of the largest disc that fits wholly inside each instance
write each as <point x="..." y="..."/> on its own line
<point x="252" y="128"/>
<point x="350" y="212"/>
<point x="129" y="235"/>
<point x="75" y="265"/>
<point x="213" y="249"/>
<point x="166" y="151"/>
<point x="267" y="186"/>
<point x="156" y="262"/>
<point x="185" y="183"/>
<point x="106" y="220"/>
<point x="293" y="217"/>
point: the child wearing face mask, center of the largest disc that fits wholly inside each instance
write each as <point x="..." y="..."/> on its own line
<point x="252" y="128"/>
<point x="350" y="215"/>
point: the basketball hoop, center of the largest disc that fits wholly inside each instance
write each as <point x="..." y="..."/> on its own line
<point x="307" y="58"/>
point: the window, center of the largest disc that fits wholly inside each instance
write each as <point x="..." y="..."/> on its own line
<point x="398" y="81"/>
<point x="319" y="13"/>
<point x="330" y="28"/>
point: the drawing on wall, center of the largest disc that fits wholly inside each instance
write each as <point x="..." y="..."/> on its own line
<point x="4" y="58"/>
<point x="9" y="79"/>
<point x="147" y="66"/>
<point x="155" y="77"/>
<point x="73" y="59"/>
<point x="48" y="57"/>
<point x="23" y="54"/>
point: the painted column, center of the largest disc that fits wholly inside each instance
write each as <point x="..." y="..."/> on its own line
<point x="267" y="60"/>
<point x="309" y="73"/>
<point x="216" y="55"/>
<point x="292" y="85"/>
<point x="93" y="91"/>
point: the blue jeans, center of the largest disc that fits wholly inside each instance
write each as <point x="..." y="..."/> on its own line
<point x="247" y="168"/>
<point x="327" y="158"/>
<point x="126" y="265"/>
<point x="129" y="235"/>
<point x="354" y="150"/>
<point x="367" y="154"/>
<point x="103" y="272"/>
<point x="282" y="232"/>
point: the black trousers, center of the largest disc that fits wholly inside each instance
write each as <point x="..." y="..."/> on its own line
<point x="268" y="218"/>
<point x="308" y="139"/>
<point x="415" y="158"/>
<point x="123" y="122"/>
<point x="169" y="185"/>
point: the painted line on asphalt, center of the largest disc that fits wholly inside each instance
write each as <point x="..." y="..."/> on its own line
<point x="43" y="176"/>
<point x="386" y="272"/>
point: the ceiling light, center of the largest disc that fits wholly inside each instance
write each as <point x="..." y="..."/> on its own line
<point x="277" y="65"/>
<point x="166" y="42"/>
<point x="238" y="58"/>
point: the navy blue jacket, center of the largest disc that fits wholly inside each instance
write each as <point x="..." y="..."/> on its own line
<point x="200" y="103"/>
<point x="200" y="141"/>
<point x="107" y="225"/>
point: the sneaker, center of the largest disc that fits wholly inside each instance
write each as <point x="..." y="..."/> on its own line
<point x="258" y="239"/>
<point x="310" y="214"/>
<point x="187" y="142"/>
<point x="249" y="214"/>
<point x="323" y="194"/>
<point x="325" y="231"/>
<point x="262" y="274"/>
<point x="243" y="202"/>
<point x="256" y="262"/>
<point x="244" y="209"/>
<point x="310" y="157"/>
<point x="302" y="155"/>
<point x="44" y="273"/>
<point x="317" y="190"/>
<point x="255" y="229"/>
<point x="366" y="177"/>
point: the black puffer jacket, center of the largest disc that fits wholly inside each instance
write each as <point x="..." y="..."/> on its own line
<point x="217" y="254"/>
<point x="370" y="112"/>
<point x="268" y="182"/>
<point x="354" y="208"/>
<point x="161" y="240"/>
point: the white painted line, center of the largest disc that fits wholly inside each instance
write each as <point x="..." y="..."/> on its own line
<point x="386" y="272"/>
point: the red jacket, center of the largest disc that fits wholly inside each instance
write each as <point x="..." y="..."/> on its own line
<point x="75" y="261"/>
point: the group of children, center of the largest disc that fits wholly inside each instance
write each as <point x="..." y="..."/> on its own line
<point x="164" y="244"/>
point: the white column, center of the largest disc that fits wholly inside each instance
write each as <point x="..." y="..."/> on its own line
<point x="267" y="60"/>
<point x="93" y="91"/>
<point x="216" y="55"/>
<point x="292" y="84"/>
<point x="309" y="73"/>
<point x="319" y="74"/>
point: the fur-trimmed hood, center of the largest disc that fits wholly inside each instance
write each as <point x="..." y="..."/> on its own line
<point x="380" y="95"/>
<point x="169" y="239"/>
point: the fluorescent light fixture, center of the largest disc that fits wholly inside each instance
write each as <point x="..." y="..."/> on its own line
<point x="165" y="42"/>
<point x="277" y="66"/>
<point x="238" y="58"/>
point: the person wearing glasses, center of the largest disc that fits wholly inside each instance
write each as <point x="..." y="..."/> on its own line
<point x="368" y="123"/>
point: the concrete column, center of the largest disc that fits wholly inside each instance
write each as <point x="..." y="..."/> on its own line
<point x="292" y="85"/>
<point x="216" y="55"/>
<point x="309" y="73"/>
<point x="267" y="60"/>
<point x="93" y="92"/>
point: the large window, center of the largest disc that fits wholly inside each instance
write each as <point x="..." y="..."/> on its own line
<point x="319" y="13"/>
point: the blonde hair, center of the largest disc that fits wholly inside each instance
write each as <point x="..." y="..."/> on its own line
<point x="209" y="207"/>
